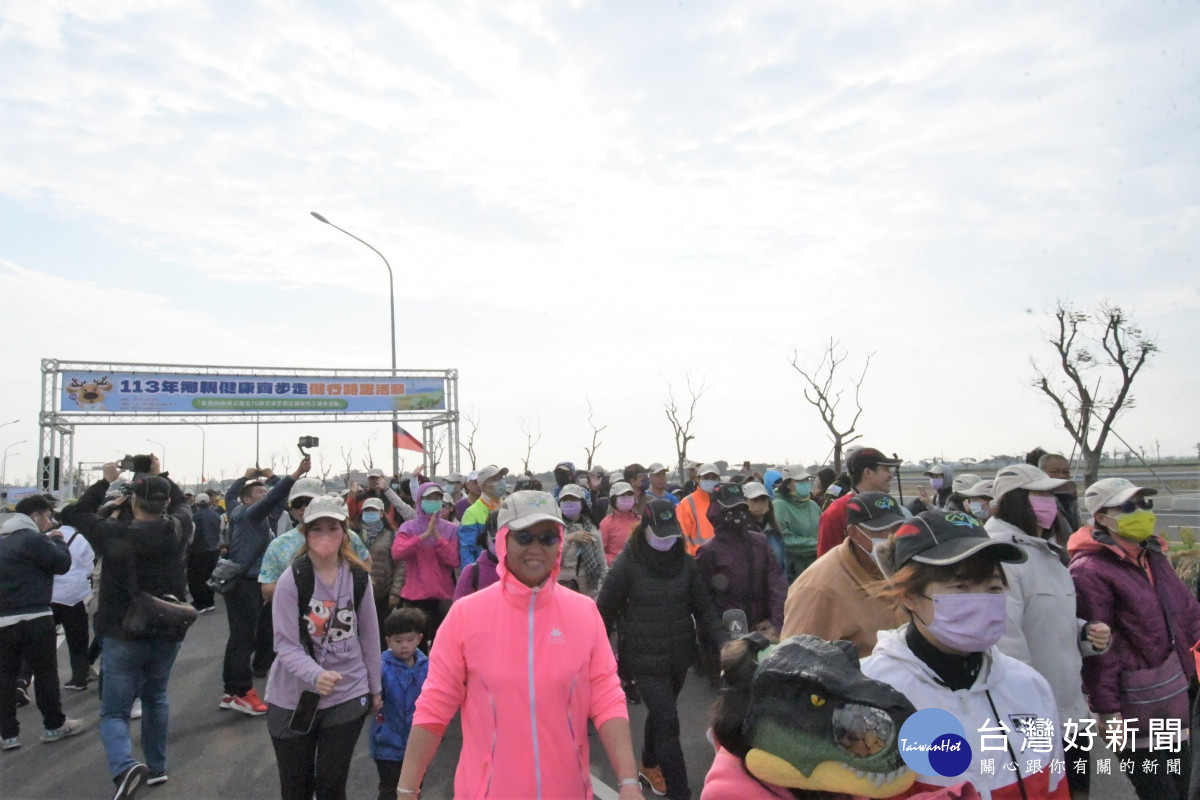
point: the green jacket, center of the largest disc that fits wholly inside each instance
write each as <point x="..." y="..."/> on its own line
<point x="797" y="521"/>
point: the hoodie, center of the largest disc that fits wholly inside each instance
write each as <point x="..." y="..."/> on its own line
<point x="1015" y="690"/>
<point x="29" y="560"/>
<point x="430" y="562"/>
<point x="528" y="667"/>
<point x="739" y="571"/>
<point x="1114" y="585"/>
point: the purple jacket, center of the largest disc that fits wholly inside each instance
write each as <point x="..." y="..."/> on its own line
<point x="485" y="565"/>
<point x="431" y="562"/>
<point x="739" y="571"/>
<point x="1113" y="587"/>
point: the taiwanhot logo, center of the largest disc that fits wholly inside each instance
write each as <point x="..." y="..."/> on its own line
<point x="933" y="742"/>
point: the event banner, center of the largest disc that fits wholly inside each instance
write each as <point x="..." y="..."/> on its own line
<point x="165" y="393"/>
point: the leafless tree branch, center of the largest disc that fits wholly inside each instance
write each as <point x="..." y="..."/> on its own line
<point x="596" y="431"/>
<point x="820" y="391"/>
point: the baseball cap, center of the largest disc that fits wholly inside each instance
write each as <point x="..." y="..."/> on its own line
<point x="306" y="487"/>
<point x="521" y="509"/>
<point x="874" y="511"/>
<point x="372" y="502"/>
<point x="620" y="488"/>
<point x="455" y="478"/>
<point x="729" y="495"/>
<point x="572" y="490"/>
<point x="659" y="516"/>
<point x="1024" y="476"/>
<point x="151" y="487"/>
<point x="598" y="471"/>
<point x="753" y="489"/>
<point x="941" y="538"/>
<point x="431" y="488"/>
<point x="655" y="468"/>
<point x="980" y="489"/>
<point x="473" y="475"/>
<point x="1112" y="492"/>
<point x="203" y="499"/>
<point x="490" y="471"/>
<point x="708" y="469"/>
<point x="963" y="482"/>
<point x="936" y="469"/>
<point x="794" y="472"/>
<point x="326" y="506"/>
<point x="375" y="473"/>
<point x="869" y="457"/>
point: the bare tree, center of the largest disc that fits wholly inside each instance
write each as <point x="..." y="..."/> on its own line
<point x="369" y="461"/>
<point x="274" y="459"/>
<point x="437" y="449"/>
<point x="531" y="440"/>
<point x="348" y="458"/>
<point x="323" y="469"/>
<point x="286" y="460"/>
<point x="1106" y="343"/>
<point x="682" y="426"/>
<point x="825" y="396"/>
<point x="472" y="418"/>
<point x="596" y="431"/>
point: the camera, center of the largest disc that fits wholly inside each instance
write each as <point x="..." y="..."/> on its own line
<point x="307" y="442"/>
<point x="136" y="464"/>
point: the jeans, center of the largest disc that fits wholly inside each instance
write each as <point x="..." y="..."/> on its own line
<point x="661" y="744"/>
<point x="242" y="604"/>
<point x="199" y="567"/>
<point x="35" y="641"/>
<point x="132" y="669"/>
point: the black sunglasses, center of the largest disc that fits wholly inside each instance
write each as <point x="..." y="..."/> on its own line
<point x="1129" y="506"/>
<point x="526" y="538"/>
<point x="298" y="503"/>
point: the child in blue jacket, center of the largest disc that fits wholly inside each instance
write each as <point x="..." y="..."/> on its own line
<point x="404" y="671"/>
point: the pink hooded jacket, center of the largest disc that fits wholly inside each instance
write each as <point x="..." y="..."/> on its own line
<point x="431" y="563"/>
<point x="528" y="668"/>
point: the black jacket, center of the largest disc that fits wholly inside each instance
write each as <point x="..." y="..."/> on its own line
<point x="208" y="531"/>
<point x="153" y="553"/>
<point x="29" y="560"/>
<point x="652" y="598"/>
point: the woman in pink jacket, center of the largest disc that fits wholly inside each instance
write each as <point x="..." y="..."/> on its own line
<point x="428" y="545"/>
<point x="528" y="664"/>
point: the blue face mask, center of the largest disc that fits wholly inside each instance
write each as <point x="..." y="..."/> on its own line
<point x="802" y="489"/>
<point x="431" y="507"/>
<point x="371" y="517"/>
<point x="707" y="486"/>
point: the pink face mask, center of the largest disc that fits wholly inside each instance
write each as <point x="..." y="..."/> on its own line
<point x="1045" y="509"/>
<point x="625" y="503"/>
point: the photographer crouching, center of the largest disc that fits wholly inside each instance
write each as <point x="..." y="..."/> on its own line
<point x="140" y="616"/>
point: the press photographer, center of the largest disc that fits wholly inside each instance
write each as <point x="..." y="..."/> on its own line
<point x="139" y="617"/>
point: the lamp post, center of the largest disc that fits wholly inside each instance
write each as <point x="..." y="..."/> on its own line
<point x="13" y="422"/>
<point x="164" y="450"/>
<point x="4" y="463"/>
<point x="392" y="302"/>
<point x="203" y="451"/>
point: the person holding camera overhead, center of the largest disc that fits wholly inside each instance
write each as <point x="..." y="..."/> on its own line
<point x="143" y="555"/>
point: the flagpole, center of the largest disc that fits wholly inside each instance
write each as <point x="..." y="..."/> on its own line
<point x="392" y="303"/>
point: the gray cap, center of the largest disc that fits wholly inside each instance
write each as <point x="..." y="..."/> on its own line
<point x="522" y="509"/>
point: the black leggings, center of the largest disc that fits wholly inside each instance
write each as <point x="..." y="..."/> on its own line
<point x="389" y="778"/>
<point x="318" y="762"/>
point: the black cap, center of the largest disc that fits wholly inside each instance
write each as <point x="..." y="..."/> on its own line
<point x="867" y="458"/>
<point x="151" y="487"/>
<point x="874" y="511"/>
<point x="659" y="516"/>
<point x="940" y="538"/>
<point x="728" y="495"/>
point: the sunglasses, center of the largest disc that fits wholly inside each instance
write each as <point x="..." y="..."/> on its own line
<point x="1129" y="506"/>
<point x="526" y="538"/>
<point x="298" y="504"/>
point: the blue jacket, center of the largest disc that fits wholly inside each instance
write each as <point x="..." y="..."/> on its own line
<point x="250" y="527"/>
<point x="29" y="560"/>
<point x="401" y="687"/>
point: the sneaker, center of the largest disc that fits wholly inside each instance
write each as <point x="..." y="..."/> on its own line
<point x="249" y="703"/>
<point x="156" y="778"/>
<point x="654" y="777"/>
<point x="22" y="697"/>
<point x="135" y="711"/>
<point x="226" y="701"/>
<point x="10" y="744"/>
<point x="76" y="686"/>
<point x="631" y="692"/>
<point x="206" y="609"/>
<point x="129" y="781"/>
<point x="93" y="673"/>
<point x="69" y="728"/>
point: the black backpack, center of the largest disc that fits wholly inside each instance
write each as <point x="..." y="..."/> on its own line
<point x="302" y="572"/>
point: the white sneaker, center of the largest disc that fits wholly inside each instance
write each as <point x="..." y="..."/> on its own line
<point x="136" y="711"/>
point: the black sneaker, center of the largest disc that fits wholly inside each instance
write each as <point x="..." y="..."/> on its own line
<point x="156" y="778"/>
<point x="129" y="781"/>
<point x="76" y="686"/>
<point x="22" y="697"/>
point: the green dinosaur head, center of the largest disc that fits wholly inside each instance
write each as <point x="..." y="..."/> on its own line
<point x="816" y="722"/>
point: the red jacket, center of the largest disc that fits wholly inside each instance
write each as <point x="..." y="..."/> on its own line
<point x="832" y="529"/>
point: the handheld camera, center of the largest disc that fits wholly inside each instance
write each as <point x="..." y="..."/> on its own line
<point x="307" y="442"/>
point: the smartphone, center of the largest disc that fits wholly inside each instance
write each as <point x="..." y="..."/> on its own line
<point x="305" y="714"/>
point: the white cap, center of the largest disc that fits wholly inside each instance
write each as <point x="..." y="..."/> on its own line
<point x="455" y="478"/>
<point x="708" y="469"/>
<point x="936" y="469"/>
<point x="326" y="506"/>
<point x="795" y="472"/>
<point x="979" y="489"/>
<point x="1112" y="492"/>
<point x="1023" y="476"/>
<point x="521" y="509"/>
<point x="306" y="487"/>
<point x="490" y="471"/>
<point x="202" y="499"/>
<point x="431" y="489"/>
<point x="963" y="481"/>
<point x="753" y="489"/>
<point x="473" y="475"/>
<point x="571" y="490"/>
<point x="372" y="502"/>
<point x="619" y="488"/>
<point x="375" y="473"/>
<point x="655" y="468"/>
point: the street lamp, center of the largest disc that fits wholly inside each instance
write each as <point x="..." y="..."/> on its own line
<point x="4" y="463"/>
<point x="392" y="302"/>
<point x="164" y="451"/>
<point x="14" y="422"/>
<point x="203" y="450"/>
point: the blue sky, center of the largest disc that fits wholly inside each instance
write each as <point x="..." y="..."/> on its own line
<point x="587" y="199"/>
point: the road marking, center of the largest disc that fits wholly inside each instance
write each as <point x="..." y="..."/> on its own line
<point x="602" y="791"/>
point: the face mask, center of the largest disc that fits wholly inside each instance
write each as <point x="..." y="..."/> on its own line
<point x="737" y="519"/>
<point x="571" y="508"/>
<point x="324" y="546"/>
<point x="371" y="517"/>
<point x="708" y="486"/>
<point x="661" y="543"/>
<point x="498" y="489"/>
<point x="968" y="623"/>
<point x="644" y="484"/>
<point x="1137" y="526"/>
<point x="870" y="553"/>
<point x="624" y="503"/>
<point x="936" y="483"/>
<point x="802" y="489"/>
<point x="431" y="506"/>
<point x="979" y="510"/>
<point x="1045" y="509"/>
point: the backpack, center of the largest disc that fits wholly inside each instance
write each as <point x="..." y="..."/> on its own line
<point x="302" y="573"/>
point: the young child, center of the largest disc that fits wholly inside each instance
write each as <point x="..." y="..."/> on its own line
<point x="404" y="671"/>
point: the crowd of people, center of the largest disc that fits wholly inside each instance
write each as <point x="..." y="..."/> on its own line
<point x="1033" y="610"/>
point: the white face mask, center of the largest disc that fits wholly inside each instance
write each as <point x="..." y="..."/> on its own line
<point x="707" y="486"/>
<point x="979" y="510"/>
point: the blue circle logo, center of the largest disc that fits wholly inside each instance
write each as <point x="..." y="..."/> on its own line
<point x="933" y="742"/>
